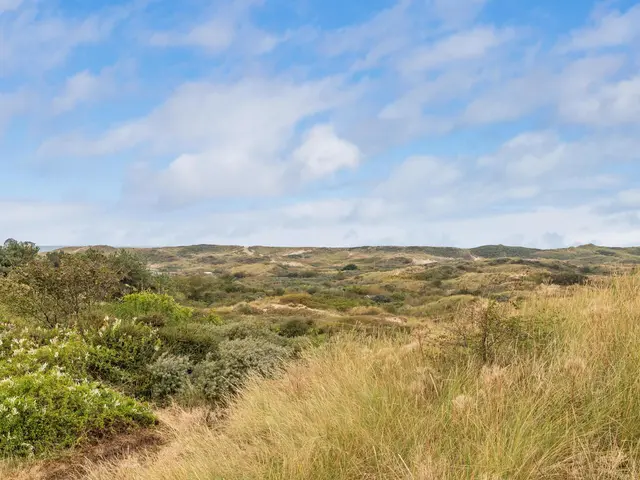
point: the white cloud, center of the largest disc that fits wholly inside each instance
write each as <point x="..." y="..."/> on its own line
<point x="228" y="26"/>
<point x="422" y="175"/>
<point x="33" y="41"/>
<point x="228" y="139"/>
<point x="255" y="114"/>
<point x="510" y="100"/>
<point x="43" y="221"/>
<point x="323" y="153"/>
<point x="461" y="46"/>
<point x="370" y="35"/>
<point x="629" y="198"/>
<point x="87" y="87"/>
<point x="322" y="223"/>
<point x="584" y="91"/>
<point x="534" y="155"/>
<point x="610" y="29"/>
<point x="241" y="131"/>
<point x="610" y="104"/>
<point x="451" y="84"/>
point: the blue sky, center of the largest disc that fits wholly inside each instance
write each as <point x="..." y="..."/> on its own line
<point x="309" y="122"/>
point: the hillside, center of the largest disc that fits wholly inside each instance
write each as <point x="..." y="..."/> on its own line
<point x="561" y="405"/>
<point x="321" y="363"/>
<point x="197" y="258"/>
<point x="405" y="282"/>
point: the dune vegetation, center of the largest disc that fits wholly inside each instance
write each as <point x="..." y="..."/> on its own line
<point x="364" y="364"/>
<point x="547" y="390"/>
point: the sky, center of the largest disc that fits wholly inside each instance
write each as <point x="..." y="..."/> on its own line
<point x="320" y="122"/>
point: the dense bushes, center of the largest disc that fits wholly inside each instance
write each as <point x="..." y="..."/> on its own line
<point x="47" y="398"/>
<point x="45" y="412"/>
<point x="121" y="350"/>
<point x="157" y="308"/>
<point x="56" y="291"/>
<point x="14" y="254"/>
<point x="194" y="340"/>
<point x="169" y="376"/>
<point x="224" y="373"/>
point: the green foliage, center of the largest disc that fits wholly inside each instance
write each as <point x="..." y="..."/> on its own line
<point x="245" y="309"/>
<point x="222" y="375"/>
<point x="207" y="317"/>
<point x="15" y="254"/>
<point x="169" y="376"/>
<point x="154" y="306"/>
<point x="25" y="350"/>
<point x="134" y="274"/>
<point x="349" y="267"/>
<point x="437" y="273"/>
<point x="57" y="289"/>
<point x="42" y="413"/>
<point x="493" y="335"/>
<point x="296" y="327"/>
<point x="496" y="251"/>
<point x="201" y="288"/>
<point x="194" y="340"/>
<point x="297" y="299"/>
<point x="121" y="351"/>
<point x="568" y="278"/>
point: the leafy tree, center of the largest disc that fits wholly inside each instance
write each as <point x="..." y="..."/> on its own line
<point x="14" y="254"/>
<point x="135" y="276"/>
<point x="59" y="287"/>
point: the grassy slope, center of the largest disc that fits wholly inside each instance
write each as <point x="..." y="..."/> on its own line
<point x="389" y="409"/>
<point x="203" y="257"/>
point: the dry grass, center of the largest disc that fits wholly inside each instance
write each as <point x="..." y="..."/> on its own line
<point x="385" y="409"/>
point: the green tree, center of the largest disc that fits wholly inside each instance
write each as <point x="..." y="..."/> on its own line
<point x="57" y="288"/>
<point x="14" y="254"/>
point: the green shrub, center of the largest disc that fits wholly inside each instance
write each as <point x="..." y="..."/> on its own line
<point x="223" y="374"/>
<point x="57" y="289"/>
<point x="297" y="299"/>
<point x="245" y="309"/>
<point x="152" y="306"/>
<point x="194" y="340"/>
<point x="24" y="351"/>
<point x="169" y="375"/>
<point x="14" y="254"/>
<point x="134" y="274"/>
<point x="349" y="267"/>
<point x="490" y="333"/>
<point x="46" y="412"/>
<point x="207" y="317"/>
<point x="296" y="327"/>
<point x="121" y="351"/>
<point x="568" y="278"/>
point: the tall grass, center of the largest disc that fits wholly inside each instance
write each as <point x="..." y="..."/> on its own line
<point x="566" y="406"/>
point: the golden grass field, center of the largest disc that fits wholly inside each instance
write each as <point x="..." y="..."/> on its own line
<point x="565" y="406"/>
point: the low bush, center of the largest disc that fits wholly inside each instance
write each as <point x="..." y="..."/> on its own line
<point x="223" y="374"/>
<point x="42" y="413"/>
<point x="120" y="352"/>
<point x="169" y="376"/>
<point x="296" y="327"/>
<point x="194" y="340"/>
<point x="152" y="306"/>
<point x="245" y="309"/>
<point x="568" y="278"/>
<point x="297" y="299"/>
